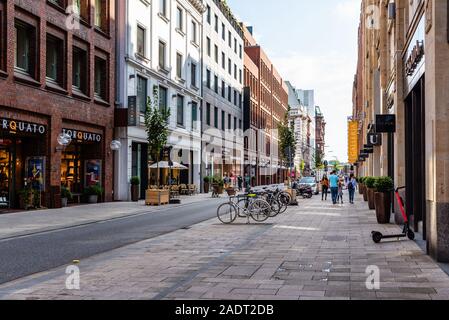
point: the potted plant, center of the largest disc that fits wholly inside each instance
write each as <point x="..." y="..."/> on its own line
<point x="383" y="188"/>
<point x="135" y="183"/>
<point x="206" y="181"/>
<point x="92" y="193"/>
<point x="66" y="195"/>
<point x="220" y="184"/>
<point x="26" y="198"/>
<point x="369" y="182"/>
<point x="361" y="184"/>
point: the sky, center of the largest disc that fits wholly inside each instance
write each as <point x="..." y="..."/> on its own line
<point x="313" y="44"/>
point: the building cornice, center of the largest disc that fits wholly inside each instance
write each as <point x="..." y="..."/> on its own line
<point x="198" y="5"/>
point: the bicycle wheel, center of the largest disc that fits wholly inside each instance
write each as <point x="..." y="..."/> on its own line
<point x="260" y="210"/>
<point x="275" y="208"/>
<point x="241" y="205"/>
<point x="227" y="213"/>
<point x="285" y="198"/>
<point x="283" y="208"/>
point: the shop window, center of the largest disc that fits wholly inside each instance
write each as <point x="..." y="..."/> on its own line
<point x="180" y="110"/>
<point x="25" y="50"/>
<point x="101" y="15"/>
<point x="101" y="76"/>
<point x="2" y="36"/>
<point x="79" y="70"/>
<point x="55" y="60"/>
<point x="142" y="94"/>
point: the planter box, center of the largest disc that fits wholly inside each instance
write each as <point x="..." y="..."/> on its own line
<point x="365" y="193"/>
<point x="383" y="207"/>
<point x="371" y="202"/>
<point x="135" y="193"/>
<point x="64" y="202"/>
<point x="361" y="188"/>
<point x="206" y="187"/>
<point x="157" y="197"/>
<point x="91" y="199"/>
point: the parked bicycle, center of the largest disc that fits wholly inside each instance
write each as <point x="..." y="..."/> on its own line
<point x="246" y="206"/>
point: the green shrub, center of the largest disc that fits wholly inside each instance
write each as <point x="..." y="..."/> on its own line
<point x="370" y="181"/>
<point x="384" y="184"/>
<point x="65" y="193"/>
<point x="206" y="179"/>
<point x="135" y="181"/>
<point x="94" y="190"/>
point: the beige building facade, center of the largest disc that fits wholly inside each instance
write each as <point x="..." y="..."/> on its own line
<point x="403" y="77"/>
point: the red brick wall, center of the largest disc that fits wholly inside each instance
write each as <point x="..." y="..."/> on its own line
<point x="35" y="101"/>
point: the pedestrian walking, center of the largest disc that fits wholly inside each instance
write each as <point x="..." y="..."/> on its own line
<point x="341" y="184"/>
<point x="240" y="182"/>
<point x="226" y="181"/>
<point x="247" y="182"/>
<point x="352" y="186"/>
<point x="324" y="188"/>
<point x="333" y="183"/>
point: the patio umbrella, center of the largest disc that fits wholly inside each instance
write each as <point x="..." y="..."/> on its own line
<point x="166" y="165"/>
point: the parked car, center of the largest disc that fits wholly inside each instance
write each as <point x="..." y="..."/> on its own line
<point x="310" y="182"/>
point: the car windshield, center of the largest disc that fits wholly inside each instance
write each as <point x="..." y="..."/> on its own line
<point x="307" y="180"/>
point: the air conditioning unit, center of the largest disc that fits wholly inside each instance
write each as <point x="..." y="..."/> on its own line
<point x="392" y="11"/>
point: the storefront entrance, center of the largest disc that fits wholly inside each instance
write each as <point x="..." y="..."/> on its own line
<point x="82" y="162"/>
<point x="22" y="165"/>
<point x="415" y="156"/>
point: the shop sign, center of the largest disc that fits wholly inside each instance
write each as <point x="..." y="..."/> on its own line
<point x="83" y="136"/>
<point x="353" y="140"/>
<point x="414" y="58"/>
<point x="132" y="111"/>
<point x="374" y="139"/>
<point x="385" y="123"/>
<point x="14" y="126"/>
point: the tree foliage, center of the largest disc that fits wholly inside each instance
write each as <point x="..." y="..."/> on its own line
<point x="156" y="127"/>
<point x="287" y="138"/>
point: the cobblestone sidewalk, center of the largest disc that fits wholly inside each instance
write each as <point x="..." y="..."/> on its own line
<point x="314" y="251"/>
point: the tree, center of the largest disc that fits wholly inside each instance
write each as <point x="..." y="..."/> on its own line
<point x="287" y="141"/>
<point x="319" y="160"/>
<point x="156" y="127"/>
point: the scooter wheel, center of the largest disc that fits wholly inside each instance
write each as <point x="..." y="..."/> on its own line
<point x="377" y="237"/>
<point x="411" y="235"/>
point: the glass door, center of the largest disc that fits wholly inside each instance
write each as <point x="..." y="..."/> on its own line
<point x="5" y="175"/>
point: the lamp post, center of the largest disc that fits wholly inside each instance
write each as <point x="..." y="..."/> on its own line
<point x="115" y="146"/>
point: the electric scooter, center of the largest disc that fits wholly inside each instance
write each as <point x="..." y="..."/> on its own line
<point x="407" y="231"/>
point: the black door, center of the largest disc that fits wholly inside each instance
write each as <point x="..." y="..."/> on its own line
<point x="415" y="156"/>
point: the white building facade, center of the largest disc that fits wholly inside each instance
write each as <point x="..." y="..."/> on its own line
<point x="222" y="111"/>
<point x="307" y="98"/>
<point x="159" y="50"/>
<point x="299" y="119"/>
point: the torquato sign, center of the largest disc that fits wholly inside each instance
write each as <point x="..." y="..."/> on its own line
<point x="15" y="126"/>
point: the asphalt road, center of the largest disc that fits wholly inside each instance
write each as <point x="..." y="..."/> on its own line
<point x="39" y="252"/>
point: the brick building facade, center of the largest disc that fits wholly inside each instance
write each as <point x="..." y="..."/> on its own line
<point x="265" y="106"/>
<point x="56" y="76"/>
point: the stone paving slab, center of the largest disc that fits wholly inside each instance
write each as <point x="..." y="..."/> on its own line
<point x="316" y="251"/>
<point x="26" y="222"/>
